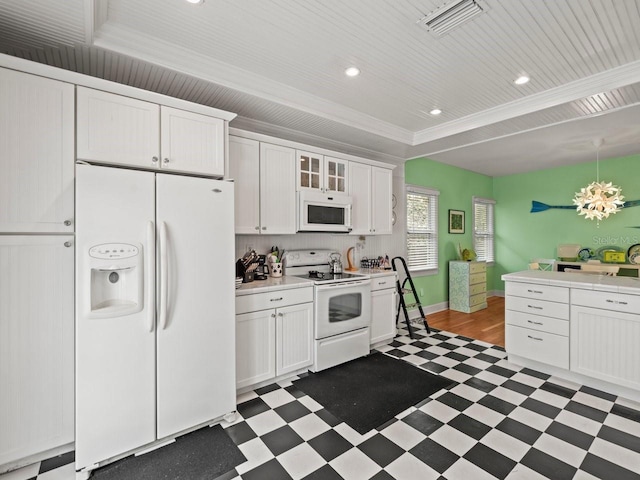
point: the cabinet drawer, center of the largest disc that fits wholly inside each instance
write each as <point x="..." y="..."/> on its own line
<point x="539" y="346"/>
<point x="618" y="302"/>
<point x="537" y="322"/>
<point x="477" y="299"/>
<point x="478" y="278"/>
<point x="380" y="283"/>
<point x="537" y="307"/>
<point x="543" y="292"/>
<point x="274" y="299"/>
<point x="477" y="267"/>
<point x="477" y="288"/>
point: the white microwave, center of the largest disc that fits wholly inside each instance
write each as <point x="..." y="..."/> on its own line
<point x="324" y="212"/>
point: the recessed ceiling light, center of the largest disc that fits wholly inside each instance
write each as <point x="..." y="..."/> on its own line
<point x="435" y="111"/>
<point x="195" y="2"/>
<point x="521" y="80"/>
<point x="352" y="72"/>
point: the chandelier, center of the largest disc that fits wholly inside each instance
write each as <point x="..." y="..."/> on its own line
<point x="598" y="199"/>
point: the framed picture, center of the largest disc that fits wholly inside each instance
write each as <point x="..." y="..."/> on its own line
<point x="456" y="221"/>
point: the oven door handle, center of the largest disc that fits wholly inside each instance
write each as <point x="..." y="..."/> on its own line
<point x="353" y="283"/>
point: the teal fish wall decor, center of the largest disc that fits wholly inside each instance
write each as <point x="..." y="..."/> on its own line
<point x="541" y="207"/>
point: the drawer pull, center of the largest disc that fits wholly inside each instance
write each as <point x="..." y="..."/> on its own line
<point x="382" y="283"/>
<point x="617" y="302"/>
<point x="537" y="339"/>
<point x="535" y="307"/>
<point x="276" y="299"/>
<point x="534" y="291"/>
<point x="535" y="323"/>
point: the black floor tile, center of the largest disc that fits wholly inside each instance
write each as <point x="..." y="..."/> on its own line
<point x="396" y="344"/>
<point x="328" y="418"/>
<point x="324" y="473"/>
<point x="230" y="475"/>
<point x="56" y="462"/>
<point x="292" y="411"/>
<point x="626" y="412"/>
<point x="601" y="468"/>
<point x="381" y="450"/>
<point x="487" y="358"/>
<point x="434" y="455"/>
<point x="468" y="369"/>
<point x="439" y="336"/>
<point x="548" y="466"/>
<point x="490" y="461"/>
<point x="519" y="430"/>
<point x="470" y="426"/>
<point x="458" y="357"/>
<point x="477" y="348"/>
<point x="505" y="372"/>
<point x="448" y="346"/>
<point x="518" y="387"/>
<point x="240" y="433"/>
<point x="464" y="339"/>
<point x="558" y="389"/>
<point x="434" y="367"/>
<point x="281" y="440"/>
<point x="330" y="445"/>
<point x="270" y="469"/>
<point x="419" y="344"/>
<point x="598" y="393"/>
<point x="536" y="374"/>
<point x="252" y="408"/>
<point x="294" y="391"/>
<point x="586" y="411"/>
<point x="382" y="475"/>
<point x="541" y="407"/>
<point x="427" y="355"/>
<point x="618" y="437"/>
<point x="267" y="389"/>
<point x="570" y="435"/>
<point x="481" y="385"/>
<point x="422" y="422"/>
<point x="454" y="401"/>
<point x="398" y="353"/>
<point x="496" y="404"/>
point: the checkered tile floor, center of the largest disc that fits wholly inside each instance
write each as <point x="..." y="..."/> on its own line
<point x="499" y="421"/>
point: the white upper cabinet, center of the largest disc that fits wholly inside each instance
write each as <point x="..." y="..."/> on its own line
<point x="277" y="189"/>
<point x="244" y="169"/>
<point x="124" y="131"/>
<point x="36" y="159"/>
<point x="320" y="173"/>
<point x="371" y="189"/>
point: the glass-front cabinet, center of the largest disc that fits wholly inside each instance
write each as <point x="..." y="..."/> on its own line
<point x="321" y="173"/>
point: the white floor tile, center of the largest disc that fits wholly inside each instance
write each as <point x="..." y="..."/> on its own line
<point x="530" y="418"/>
<point x="310" y="403"/>
<point x="483" y="414"/>
<point x="410" y="349"/>
<point x="579" y="422"/>
<point x="408" y="467"/>
<point x="508" y="395"/>
<point x="300" y="461"/>
<point x="67" y="472"/>
<point x="403" y="435"/>
<point x="465" y="470"/>
<point x="561" y="450"/>
<point x="453" y="439"/>
<point x="440" y="411"/>
<point x="446" y="361"/>
<point x="23" y="473"/>
<point x="355" y="465"/>
<point x="491" y="378"/>
<point x="277" y="398"/>
<point x="256" y="453"/>
<point x="615" y="454"/>
<point x="505" y="444"/>
<point x="593" y="401"/>
<point x="245" y="397"/>
<point x="414" y="359"/>
<point x="309" y="426"/>
<point x="351" y="435"/>
<point x="534" y="382"/>
<point x="470" y="393"/>
<point x="624" y="424"/>
<point x="476" y="362"/>
<point x="265" y="422"/>
<point x="550" y="398"/>
<point x="455" y="375"/>
<point x="522" y="472"/>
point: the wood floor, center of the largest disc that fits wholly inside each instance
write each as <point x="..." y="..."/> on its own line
<point x="486" y="325"/>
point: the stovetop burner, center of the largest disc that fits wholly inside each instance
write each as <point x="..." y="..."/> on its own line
<point x="331" y="277"/>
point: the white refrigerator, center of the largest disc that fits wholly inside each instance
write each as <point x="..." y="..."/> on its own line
<point x="155" y="306"/>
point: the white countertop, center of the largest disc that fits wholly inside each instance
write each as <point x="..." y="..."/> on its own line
<point x="585" y="281"/>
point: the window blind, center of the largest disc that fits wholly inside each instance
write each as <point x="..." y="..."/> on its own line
<point x="422" y="228"/>
<point x="483" y="228"/>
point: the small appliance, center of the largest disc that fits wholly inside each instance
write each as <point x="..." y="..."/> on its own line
<point x="321" y="212"/>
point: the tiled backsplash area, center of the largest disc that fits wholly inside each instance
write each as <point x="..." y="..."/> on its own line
<point x="373" y="245"/>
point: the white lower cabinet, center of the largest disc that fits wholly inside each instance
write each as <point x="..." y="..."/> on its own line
<point x="273" y="341"/>
<point x="383" y="309"/>
<point x="36" y="345"/>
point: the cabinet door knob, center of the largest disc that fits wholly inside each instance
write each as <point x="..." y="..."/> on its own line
<point x="264" y="228"/>
<point x="154" y="159"/>
<point x="67" y="222"/>
<point x="67" y="244"/>
<point x="257" y="228"/>
<point x="166" y="160"/>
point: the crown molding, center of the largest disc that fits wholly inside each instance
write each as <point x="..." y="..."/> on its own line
<point x="158" y="51"/>
<point x="609" y="80"/>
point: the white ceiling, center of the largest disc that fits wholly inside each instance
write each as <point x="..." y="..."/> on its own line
<point x="279" y="65"/>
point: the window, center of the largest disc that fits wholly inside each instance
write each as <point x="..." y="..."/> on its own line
<point x="483" y="227"/>
<point x="422" y="228"/>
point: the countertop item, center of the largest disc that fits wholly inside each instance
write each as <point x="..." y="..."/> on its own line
<point x="585" y="281"/>
<point x="273" y="283"/>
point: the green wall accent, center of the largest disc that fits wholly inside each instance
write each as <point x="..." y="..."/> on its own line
<point x="457" y="187"/>
<point x="521" y="236"/>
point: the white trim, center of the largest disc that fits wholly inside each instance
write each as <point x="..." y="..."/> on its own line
<point x="614" y="78"/>
<point x="483" y="200"/>
<point x="42" y="70"/>
<point x="420" y="189"/>
<point x="302" y="146"/>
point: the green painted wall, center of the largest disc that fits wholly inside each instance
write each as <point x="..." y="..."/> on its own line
<point x="457" y="187"/>
<point x="521" y="236"/>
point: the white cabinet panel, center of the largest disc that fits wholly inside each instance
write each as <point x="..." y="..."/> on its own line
<point x="36" y="345"/>
<point x="117" y="130"/>
<point x="191" y="142"/>
<point x="277" y="189"/>
<point x="383" y="314"/>
<point x="540" y="346"/>
<point x="255" y="347"/>
<point x="37" y="154"/>
<point x="244" y="169"/>
<point x="294" y="336"/>
<point x="360" y="191"/>
<point x="381" y="190"/>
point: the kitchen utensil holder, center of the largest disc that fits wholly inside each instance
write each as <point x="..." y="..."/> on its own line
<point x="276" y="269"/>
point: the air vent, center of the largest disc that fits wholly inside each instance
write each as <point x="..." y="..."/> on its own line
<point x="450" y="16"/>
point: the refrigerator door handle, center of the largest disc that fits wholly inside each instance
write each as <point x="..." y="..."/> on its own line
<point x="151" y="255"/>
<point x="163" y="275"/>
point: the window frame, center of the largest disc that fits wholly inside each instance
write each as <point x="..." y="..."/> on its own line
<point x="424" y="269"/>
<point x="490" y="203"/>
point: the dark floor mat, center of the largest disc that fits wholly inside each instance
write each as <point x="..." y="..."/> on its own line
<point x="204" y="454"/>
<point x="369" y="391"/>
